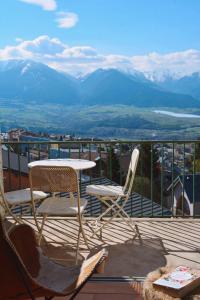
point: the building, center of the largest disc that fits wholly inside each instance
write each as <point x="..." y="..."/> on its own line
<point x="185" y="190"/>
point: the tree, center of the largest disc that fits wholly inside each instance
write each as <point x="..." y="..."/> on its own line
<point x="197" y="149"/>
<point x="196" y="162"/>
<point x="113" y="166"/>
<point x="149" y="159"/>
<point x="148" y="171"/>
<point x="142" y="186"/>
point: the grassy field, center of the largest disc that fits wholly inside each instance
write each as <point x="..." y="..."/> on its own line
<point x="118" y="121"/>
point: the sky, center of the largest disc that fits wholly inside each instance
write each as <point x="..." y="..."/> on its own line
<point x="157" y="37"/>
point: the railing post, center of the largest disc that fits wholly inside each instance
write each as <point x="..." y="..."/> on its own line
<point x="172" y="202"/>
<point x="151" y="180"/>
<point x="1" y="166"/>
<point x="162" y="168"/>
<point x="193" y="183"/>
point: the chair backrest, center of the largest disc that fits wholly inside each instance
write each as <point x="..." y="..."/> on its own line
<point x="53" y="179"/>
<point x="131" y="172"/>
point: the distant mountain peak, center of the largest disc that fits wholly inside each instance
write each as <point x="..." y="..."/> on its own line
<point x="25" y="68"/>
<point x="189" y="84"/>
<point x="111" y="86"/>
<point x="161" y="76"/>
<point x="34" y="81"/>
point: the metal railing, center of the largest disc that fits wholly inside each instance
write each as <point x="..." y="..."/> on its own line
<point x="167" y="182"/>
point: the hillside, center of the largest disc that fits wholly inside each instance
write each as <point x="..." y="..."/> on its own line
<point x="106" y="87"/>
<point x="186" y="85"/>
<point x="27" y="81"/>
<point x="115" y="121"/>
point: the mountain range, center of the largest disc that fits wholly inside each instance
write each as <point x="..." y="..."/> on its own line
<point x="28" y="81"/>
<point x="189" y="85"/>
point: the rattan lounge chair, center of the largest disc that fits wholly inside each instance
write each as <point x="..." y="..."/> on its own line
<point x="115" y="198"/>
<point x="57" y="180"/>
<point x="26" y="273"/>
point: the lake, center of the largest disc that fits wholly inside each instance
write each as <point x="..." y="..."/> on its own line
<point x="176" y="115"/>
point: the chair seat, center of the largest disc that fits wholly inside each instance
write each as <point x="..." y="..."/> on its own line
<point x="23" y="196"/>
<point x="105" y="190"/>
<point x="64" y="279"/>
<point x="61" y="206"/>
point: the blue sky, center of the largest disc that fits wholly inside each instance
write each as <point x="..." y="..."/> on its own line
<point x="130" y="34"/>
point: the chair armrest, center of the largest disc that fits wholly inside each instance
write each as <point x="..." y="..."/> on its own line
<point x="24" y="240"/>
<point x="101" y="266"/>
<point x="91" y="265"/>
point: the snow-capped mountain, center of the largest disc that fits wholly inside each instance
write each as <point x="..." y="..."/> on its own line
<point x="29" y="81"/>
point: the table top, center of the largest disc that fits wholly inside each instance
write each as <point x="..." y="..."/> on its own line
<point x="77" y="164"/>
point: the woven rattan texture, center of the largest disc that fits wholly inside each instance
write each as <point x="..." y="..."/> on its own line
<point x="53" y="179"/>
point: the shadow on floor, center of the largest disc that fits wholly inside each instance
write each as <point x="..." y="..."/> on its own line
<point x="131" y="258"/>
<point x="136" y="258"/>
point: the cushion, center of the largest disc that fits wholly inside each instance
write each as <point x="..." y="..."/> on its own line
<point x="105" y="190"/>
<point x="23" y="196"/>
<point x="61" y="206"/>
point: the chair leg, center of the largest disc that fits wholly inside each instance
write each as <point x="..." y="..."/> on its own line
<point x="84" y="236"/>
<point x="131" y="224"/>
<point x="117" y="211"/>
<point x="100" y="218"/>
<point x="138" y="232"/>
<point x="101" y="231"/>
<point x="41" y="228"/>
<point x="110" y="208"/>
<point x="82" y="230"/>
<point x="77" y="246"/>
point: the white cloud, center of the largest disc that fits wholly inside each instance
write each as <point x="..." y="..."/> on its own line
<point x="176" y="63"/>
<point x="45" y="4"/>
<point x="19" y="40"/>
<point x="18" y="52"/>
<point x="83" y="58"/>
<point x="79" y="51"/>
<point x="44" y="45"/>
<point x="36" y="49"/>
<point x="67" y="19"/>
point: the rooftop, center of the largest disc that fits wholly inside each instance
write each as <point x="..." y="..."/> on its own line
<point x="191" y="182"/>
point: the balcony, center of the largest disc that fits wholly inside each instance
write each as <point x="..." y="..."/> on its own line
<point x="164" y="204"/>
<point x="167" y="176"/>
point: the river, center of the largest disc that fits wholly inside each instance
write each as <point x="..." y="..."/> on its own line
<point x="176" y="115"/>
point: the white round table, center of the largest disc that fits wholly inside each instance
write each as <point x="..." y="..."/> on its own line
<point x="76" y="164"/>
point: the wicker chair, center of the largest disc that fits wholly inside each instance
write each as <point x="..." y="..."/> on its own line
<point x="17" y="203"/>
<point x="26" y="273"/>
<point x="56" y="180"/>
<point x="115" y="198"/>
